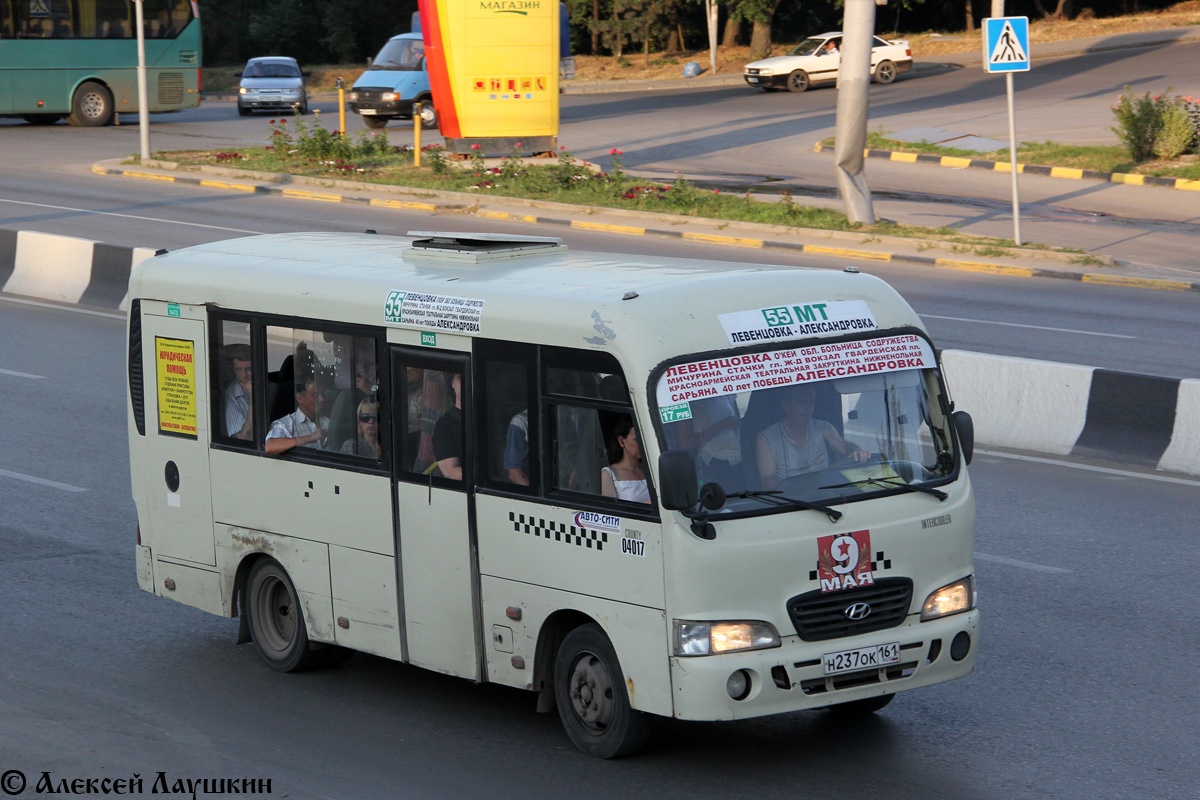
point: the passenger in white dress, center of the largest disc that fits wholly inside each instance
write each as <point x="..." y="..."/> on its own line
<point x="624" y="478"/>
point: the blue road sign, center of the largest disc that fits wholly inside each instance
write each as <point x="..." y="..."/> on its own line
<point x="1006" y="44"/>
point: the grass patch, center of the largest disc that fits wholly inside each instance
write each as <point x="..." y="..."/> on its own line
<point x="1101" y="158"/>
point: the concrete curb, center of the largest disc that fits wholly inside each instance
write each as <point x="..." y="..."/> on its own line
<point x="959" y="162"/>
<point x="1064" y="409"/>
<point x="751" y="235"/>
<point x="1046" y="407"/>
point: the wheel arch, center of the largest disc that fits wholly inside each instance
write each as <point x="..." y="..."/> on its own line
<point x="554" y="629"/>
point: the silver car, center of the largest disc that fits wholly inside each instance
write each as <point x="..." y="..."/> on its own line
<point x="272" y="84"/>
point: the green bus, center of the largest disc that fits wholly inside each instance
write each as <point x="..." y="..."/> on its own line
<point x="78" y="59"/>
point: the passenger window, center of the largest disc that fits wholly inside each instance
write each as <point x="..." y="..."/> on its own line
<point x="508" y="417"/>
<point x="433" y="440"/>
<point x="322" y="392"/>
<point x="234" y="379"/>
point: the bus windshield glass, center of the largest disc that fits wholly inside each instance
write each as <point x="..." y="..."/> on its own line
<point x="400" y="54"/>
<point x="824" y="424"/>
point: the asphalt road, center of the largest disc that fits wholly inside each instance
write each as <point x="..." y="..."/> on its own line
<point x="1082" y="691"/>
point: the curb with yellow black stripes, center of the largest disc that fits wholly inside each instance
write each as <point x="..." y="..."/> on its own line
<point x="474" y="209"/>
<point x="959" y="162"/>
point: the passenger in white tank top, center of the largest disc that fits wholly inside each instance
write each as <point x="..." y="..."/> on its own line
<point x="625" y="478"/>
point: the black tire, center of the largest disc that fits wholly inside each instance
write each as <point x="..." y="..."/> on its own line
<point x="798" y="81"/>
<point x="593" y="704"/>
<point x="276" y="621"/>
<point x="92" y="106"/>
<point x="429" y="115"/>
<point x="303" y="107"/>
<point x="42" y="119"/>
<point x="885" y="72"/>
<point x="375" y="122"/>
<point x="860" y="708"/>
<point x="243" y="111"/>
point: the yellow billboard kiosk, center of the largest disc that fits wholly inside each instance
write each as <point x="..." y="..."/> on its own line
<point x="493" y="71"/>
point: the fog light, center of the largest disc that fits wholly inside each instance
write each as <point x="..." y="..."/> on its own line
<point x="738" y="685"/>
<point x="960" y="646"/>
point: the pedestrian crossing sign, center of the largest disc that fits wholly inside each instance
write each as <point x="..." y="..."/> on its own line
<point x="39" y="8"/>
<point x="1006" y="44"/>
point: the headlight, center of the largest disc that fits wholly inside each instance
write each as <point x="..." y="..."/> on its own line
<point x="766" y="72"/>
<point x="712" y="638"/>
<point x="390" y="96"/>
<point x="953" y="598"/>
<point x="241" y="90"/>
<point x="352" y="96"/>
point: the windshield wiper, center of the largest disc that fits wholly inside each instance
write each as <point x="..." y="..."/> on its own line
<point x="776" y="498"/>
<point x="895" y="483"/>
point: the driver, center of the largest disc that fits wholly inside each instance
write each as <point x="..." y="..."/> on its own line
<point x="799" y="444"/>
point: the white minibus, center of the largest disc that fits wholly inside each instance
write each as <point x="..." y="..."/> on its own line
<point x="634" y="486"/>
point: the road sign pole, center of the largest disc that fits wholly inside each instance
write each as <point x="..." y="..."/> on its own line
<point x="1012" y="154"/>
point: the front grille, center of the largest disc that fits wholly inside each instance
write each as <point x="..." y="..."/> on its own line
<point x="170" y="88"/>
<point x="819" y="616"/>
<point x="372" y="92"/>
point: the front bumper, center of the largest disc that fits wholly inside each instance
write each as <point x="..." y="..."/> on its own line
<point x="382" y="108"/>
<point x="768" y="81"/>
<point x="792" y="677"/>
<point x="270" y="100"/>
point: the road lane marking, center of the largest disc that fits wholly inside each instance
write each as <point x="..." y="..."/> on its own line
<point x="1120" y="473"/>
<point x="56" y="307"/>
<point x="1035" y="327"/>
<point x="127" y="216"/>
<point x="1013" y="562"/>
<point x="66" y="487"/>
<point x="16" y="374"/>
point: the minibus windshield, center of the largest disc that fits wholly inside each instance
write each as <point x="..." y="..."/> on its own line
<point x="823" y="425"/>
<point x="400" y="54"/>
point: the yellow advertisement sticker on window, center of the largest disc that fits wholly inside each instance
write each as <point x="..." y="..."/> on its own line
<point x="176" y="386"/>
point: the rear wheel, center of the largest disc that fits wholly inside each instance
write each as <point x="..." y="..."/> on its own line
<point x="375" y="122"/>
<point x="857" y="708"/>
<point x="592" y="702"/>
<point x="885" y="72"/>
<point x="42" y="119"/>
<point x="92" y="106"/>
<point x="276" y="620"/>
<point x="797" y="81"/>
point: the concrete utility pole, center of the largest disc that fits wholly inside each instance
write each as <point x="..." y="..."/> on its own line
<point x="710" y="13"/>
<point x="143" y="101"/>
<point x="854" y="79"/>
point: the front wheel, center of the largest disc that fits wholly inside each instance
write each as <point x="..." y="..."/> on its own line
<point x="276" y="620"/>
<point x="885" y="72"/>
<point x="243" y="111"/>
<point x="92" y="106"/>
<point x="429" y="116"/>
<point x="797" y="81"/>
<point x="592" y="702"/>
<point x="375" y="122"/>
<point x="862" y="707"/>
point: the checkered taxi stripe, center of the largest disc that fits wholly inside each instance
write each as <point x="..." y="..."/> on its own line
<point x="558" y="531"/>
<point x="878" y="564"/>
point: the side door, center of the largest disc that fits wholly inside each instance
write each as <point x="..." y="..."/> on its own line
<point x="435" y="536"/>
<point x="177" y="432"/>
<point x="828" y="61"/>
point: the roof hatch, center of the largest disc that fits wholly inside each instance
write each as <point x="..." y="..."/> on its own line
<point x="473" y="248"/>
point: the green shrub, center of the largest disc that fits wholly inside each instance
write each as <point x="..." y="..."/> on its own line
<point x="1177" y="132"/>
<point x="1139" y="119"/>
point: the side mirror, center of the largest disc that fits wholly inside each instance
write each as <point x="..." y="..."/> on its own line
<point x="965" y="427"/>
<point x="677" y="485"/>
<point x="304" y="73"/>
<point x="237" y="74"/>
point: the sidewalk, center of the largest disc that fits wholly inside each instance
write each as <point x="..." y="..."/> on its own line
<point x="921" y="253"/>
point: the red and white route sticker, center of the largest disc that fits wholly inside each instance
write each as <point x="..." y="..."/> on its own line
<point x="844" y="561"/>
<point x="713" y="377"/>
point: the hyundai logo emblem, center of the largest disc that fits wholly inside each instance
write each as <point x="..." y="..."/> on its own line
<point x="857" y="611"/>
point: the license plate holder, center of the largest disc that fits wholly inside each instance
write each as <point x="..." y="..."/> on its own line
<point x="370" y="112"/>
<point x="752" y="80"/>
<point x="873" y="657"/>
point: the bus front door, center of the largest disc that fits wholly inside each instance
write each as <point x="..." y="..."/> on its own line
<point x="434" y="537"/>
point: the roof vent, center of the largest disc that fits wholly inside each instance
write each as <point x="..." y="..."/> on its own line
<point x="476" y="247"/>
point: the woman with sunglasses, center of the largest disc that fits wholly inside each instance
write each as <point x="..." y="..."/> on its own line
<point x="368" y="431"/>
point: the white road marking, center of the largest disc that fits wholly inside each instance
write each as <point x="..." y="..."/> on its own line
<point x="128" y="216"/>
<point x="1012" y="562"/>
<point x="66" y="487"/>
<point x="16" y="374"/>
<point x="1088" y="467"/>
<point x="63" y="307"/>
<point x="1035" y="327"/>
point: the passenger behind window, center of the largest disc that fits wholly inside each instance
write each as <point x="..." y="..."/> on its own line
<point x="304" y="427"/>
<point x="712" y="437"/>
<point x="516" y="449"/>
<point x="798" y="443"/>
<point x="448" y="436"/>
<point x="239" y="404"/>
<point x="368" y="432"/>
<point x="624" y="479"/>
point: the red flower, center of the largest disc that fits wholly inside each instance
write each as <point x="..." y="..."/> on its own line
<point x="518" y="144"/>
<point x="615" y="152"/>
<point x="476" y="146"/>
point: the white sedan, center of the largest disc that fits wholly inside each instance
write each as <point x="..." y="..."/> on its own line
<point x="816" y="60"/>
